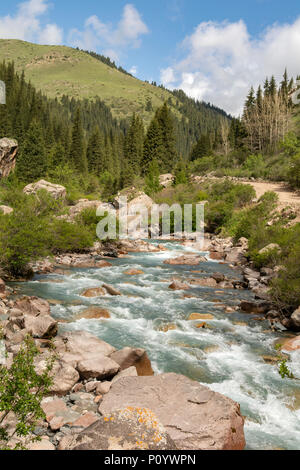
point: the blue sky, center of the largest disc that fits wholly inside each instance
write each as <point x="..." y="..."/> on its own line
<point x="214" y="50"/>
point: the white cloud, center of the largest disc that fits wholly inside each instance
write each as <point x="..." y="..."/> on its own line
<point x="133" y="70"/>
<point x="222" y="61"/>
<point x="112" y="41"/>
<point x="25" y="24"/>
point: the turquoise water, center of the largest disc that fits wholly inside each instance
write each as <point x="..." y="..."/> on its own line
<point x="227" y="357"/>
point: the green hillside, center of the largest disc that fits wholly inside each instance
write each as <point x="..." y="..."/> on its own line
<point x="59" y="70"/>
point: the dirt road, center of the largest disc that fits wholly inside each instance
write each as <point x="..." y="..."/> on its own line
<point x="286" y="196"/>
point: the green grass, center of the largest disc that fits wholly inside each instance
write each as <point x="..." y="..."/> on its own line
<point x="59" y="70"/>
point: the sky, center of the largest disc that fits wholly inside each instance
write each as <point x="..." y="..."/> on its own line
<point x="215" y="50"/>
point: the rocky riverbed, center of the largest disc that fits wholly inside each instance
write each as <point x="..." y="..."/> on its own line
<point x="126" y="311"/>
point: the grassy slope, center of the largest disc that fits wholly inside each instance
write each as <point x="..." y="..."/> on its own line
<point x="58" y="70"/>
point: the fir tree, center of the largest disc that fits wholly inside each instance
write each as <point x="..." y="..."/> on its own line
<point x="32" y="160"/>
<point x="77" y="151"/>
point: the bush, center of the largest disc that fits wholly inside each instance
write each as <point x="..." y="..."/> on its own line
<point x="21" y="393"/>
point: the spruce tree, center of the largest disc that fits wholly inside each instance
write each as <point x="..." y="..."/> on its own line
<point x="167" y="128"/>
<point x="95" y="152"/>
<point x="78" y="151"/>
<point x="202" y="148"/>
<point x="32" y="159"/>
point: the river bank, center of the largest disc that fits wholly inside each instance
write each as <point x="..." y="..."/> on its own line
<point x="229" y="350"/>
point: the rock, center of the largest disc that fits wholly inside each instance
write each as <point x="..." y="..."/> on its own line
<point x="177" y="285"/>
<point x="204" y="282"/>
<point x="111" y="290"/>
<point x="8" y="155"/>
<point x="251" y="274"/>
<point x="90" y="262"/>
<point x="94" y="292"/>
<point x="91" y="387"/>
<point x="292" y="344"/>
<point x="94" y="312"/>
<point x="200" y="316"/>
<point x="44" y="327"/>
<point x="100" y="367"/>
<point x="86" y="420"/>
<point x="33" y="306"/>
<point x="165" y="327"/>
<point x="218" y="277"/>
<point x="127" y="429"/>
<point x="2" y="286"/>
<point x="55" y="190"/>
<point x="295" y="320"/>
<point x="254" y="307"/>
<point x="103" y="388"/>
<point x="236" y="256"/>
<point x="64" y="376"/>
<point x="166" y="180"/>
<point x="76" y="346"/>
<point x="133" y="272"/>
<point x="186" y="260"/>
<point x="195" y="417"/>
<point x="216" y="256"/>
<point x="43" y="444"/>
<point x="6" y="210"/>
<point x="53" y="407"/>
<point x="130" y="372"/>
<point x="270" y="247"/>
<point x="267" y="272"/>
<point x="82" y="205"/>
<point x="128" y="357"/>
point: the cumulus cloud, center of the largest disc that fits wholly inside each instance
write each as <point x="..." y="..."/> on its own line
<point x="221" y="61"/>
<point x="133" y="70"/>
<point x="111" y="40"/>
<point x="26" y="24"/>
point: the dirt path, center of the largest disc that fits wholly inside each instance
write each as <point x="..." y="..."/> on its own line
<point x="286" y="196"/>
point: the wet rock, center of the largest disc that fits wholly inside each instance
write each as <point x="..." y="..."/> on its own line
<point x="186" y="260"/>
<point x="94" y="312"/>
<point x="128" y="357"/>
<point x="133" y="272"/>
<point x="55" y="190"/>
<point x="111" y="290"/>
<point x="177" y="285"/>
<point x="254" y="307"/>
<point x="94" y="292"/>
<point x="204" y="282"/>
<point x="167" y="327"/>
<point x="195" y="417"/>
<point x="218" y="277"/>
<point x="200" y="316"/>
<point x="126" y="429"/>
<point x="216" y="256"/>
<point x="292" y="344"/>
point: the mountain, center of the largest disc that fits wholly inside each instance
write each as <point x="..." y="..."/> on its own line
<point x="61" y="70"/>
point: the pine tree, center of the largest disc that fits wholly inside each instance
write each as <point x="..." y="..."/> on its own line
<point x="167" y="128"/>
<point x="181" y="175"/>
<point x="95" y="152"/>
<point x="77" y="151"/>
<point x="153" y="146"/>
<point x="32" y="161"/>
<point x="152" y="178"/>
<point x="202" y="148"/>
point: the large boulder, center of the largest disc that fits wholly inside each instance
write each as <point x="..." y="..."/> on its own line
<point x="32" y="306"/>
<point x="195" y="417"/>
<point x="186" y="260"/>
<point x="82" y="205"/>
<point x="295" y="320"/>
<point x="127" y="429"/>
<point x="78" y="346"/>
<point x="129" y="357"/>
<point x="6" y="210"/>
<point x="98" y="367"/>
<point x="292" y="344"/>
<point x="8" y="155"/>
<point x="64" y="375"/>
<point x="44" y="327"/>
<point x="55" y="190"/>
<point x="166" y="180"/>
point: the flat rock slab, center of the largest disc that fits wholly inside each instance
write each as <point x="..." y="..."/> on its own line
<point x="186" y="261"/>
<point x="195" y="417"/>
<point x="127" y="429"/>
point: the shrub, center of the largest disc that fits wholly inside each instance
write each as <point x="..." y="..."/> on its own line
<point x="21" y="393"/>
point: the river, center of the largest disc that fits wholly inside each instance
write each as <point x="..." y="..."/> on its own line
<point x="228" y="356"/>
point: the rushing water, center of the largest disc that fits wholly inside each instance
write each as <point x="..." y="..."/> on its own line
<point x="227" y="357"/>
